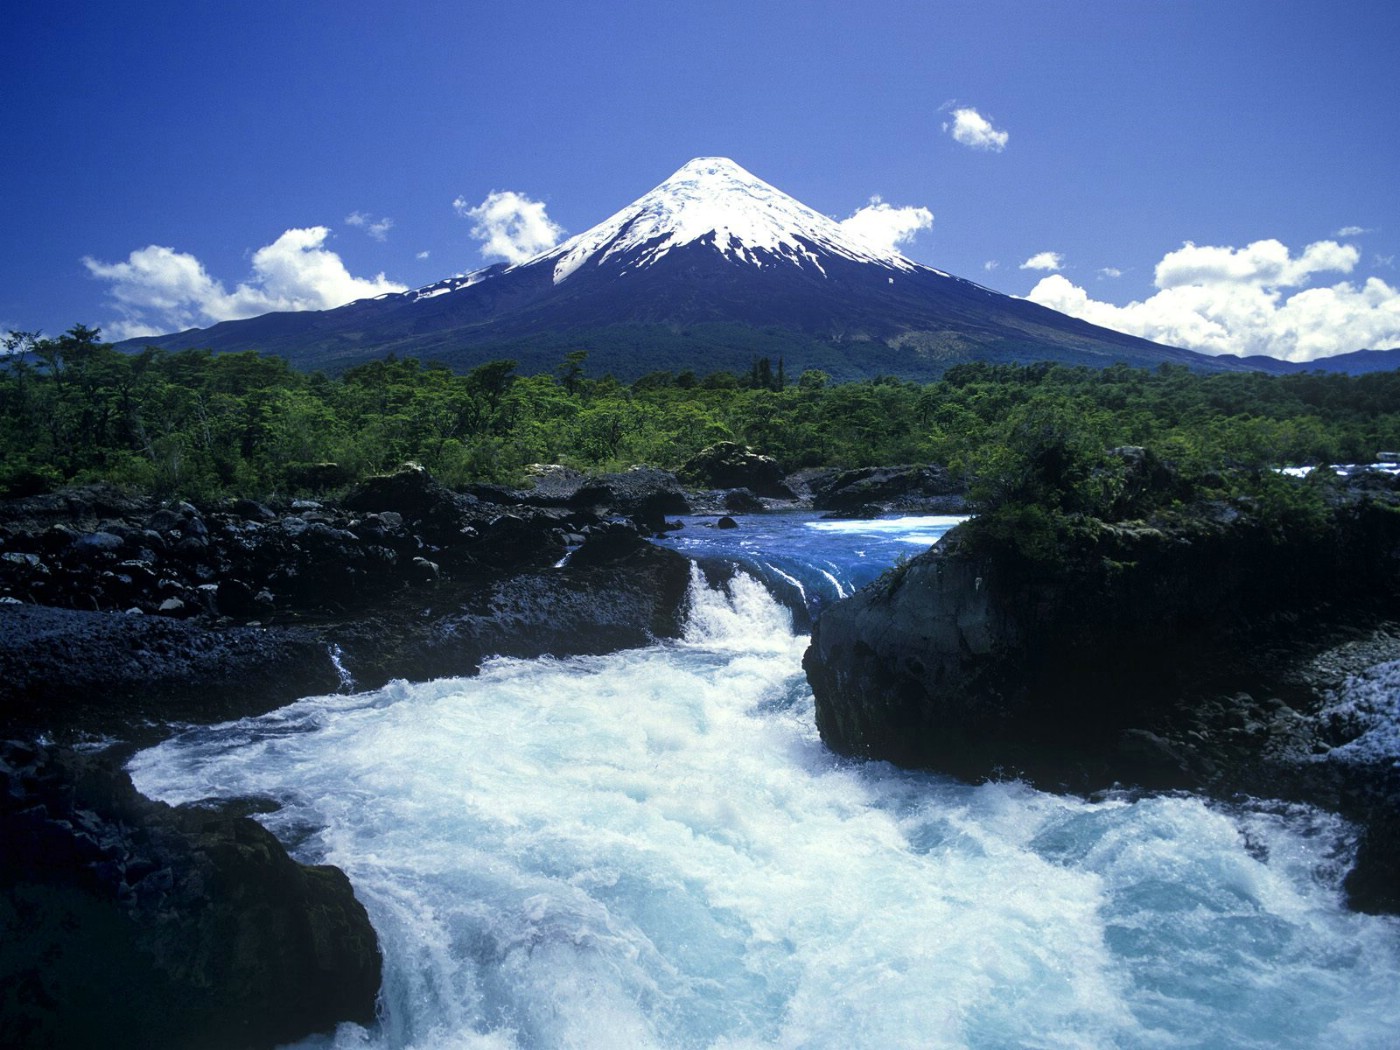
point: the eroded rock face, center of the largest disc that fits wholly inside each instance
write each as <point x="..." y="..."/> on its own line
<point x="616" y="591"/>
<point x="1177" y="654"/>
<point x="126" y="923"/>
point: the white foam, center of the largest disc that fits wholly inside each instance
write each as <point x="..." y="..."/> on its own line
<point x="1366" y="711"/>
<point x="653" y="849"/>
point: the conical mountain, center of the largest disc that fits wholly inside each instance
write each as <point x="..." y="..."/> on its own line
<point x="710" y="270"/>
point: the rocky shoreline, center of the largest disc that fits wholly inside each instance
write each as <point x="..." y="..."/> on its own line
<point x="1188" y="651"/>
<point x="1200" y="649"/>
<point x="123" y="617"/>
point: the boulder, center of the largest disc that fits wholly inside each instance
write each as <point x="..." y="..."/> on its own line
<point x="644" y="494"/>
<point x="729" y="465"/>
<point x="251" y="510"/>
<point x="410" y="490"/>
<point x="742" y="501"/>
<point x="607" y="542"/>
<point x="126" y="923"/>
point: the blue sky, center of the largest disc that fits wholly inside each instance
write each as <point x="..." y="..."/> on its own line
<point x="1219" y="175"/>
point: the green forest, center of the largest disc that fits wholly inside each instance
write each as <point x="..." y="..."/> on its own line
<point x="203" y="425"/>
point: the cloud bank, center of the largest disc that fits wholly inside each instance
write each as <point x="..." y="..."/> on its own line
<point x="974" y="130"/>
<point x="1221" y="300"/>
<point x="158" y="290"/>
<point x="510" y="226"/>
<point x="885" y="227"/>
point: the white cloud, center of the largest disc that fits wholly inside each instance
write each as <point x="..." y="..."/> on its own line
<point x="885" y="227"/>
<point x="972" y="129"/>
<point x="1222" y="300"/>
<point x="1044" y="261"/>
<point x="1110" y="272"/>
<point x="376" y="228"/>
<point x="510" y="226"/>
<point x="422" y="255"/>
<point x="1263" y="263"/>
<point x="1352" y="231"/>
<point x="158" y="290"/>
<point x="990" y="265"/>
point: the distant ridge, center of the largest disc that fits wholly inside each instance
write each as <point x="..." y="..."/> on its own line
<point x="1358" y="362"/>
<point x="709" y="270"/>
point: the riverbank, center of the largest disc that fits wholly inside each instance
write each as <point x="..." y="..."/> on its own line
<point x="1208" y="647"/>
<point x="122" y="618"/>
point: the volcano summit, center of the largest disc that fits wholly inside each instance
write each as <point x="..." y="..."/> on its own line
<point x="710" y="270"/>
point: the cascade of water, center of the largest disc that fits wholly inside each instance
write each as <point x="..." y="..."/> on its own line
<point x="347" y="680"/>
<point x="653" y="849"/>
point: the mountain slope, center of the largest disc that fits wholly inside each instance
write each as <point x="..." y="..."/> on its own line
<point x="1356" y="363"/>
<point x="710" y="268"/>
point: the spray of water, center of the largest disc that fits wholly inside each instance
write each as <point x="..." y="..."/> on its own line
<point x="653" y="849"/>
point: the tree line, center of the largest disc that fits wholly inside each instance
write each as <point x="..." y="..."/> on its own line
<point x="202" y="425"/>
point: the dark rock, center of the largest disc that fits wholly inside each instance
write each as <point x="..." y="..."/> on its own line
<point x="96" y="544"/>
<point x="864" y="512"/>
<point x="423" y="570"/>
<point x="552" y="484"/>
<point x="514" y="540"/>
<point x="236" y="598"/>
<point x="742" y="501"/>
<point x="82" y="507"/>
<point x="925" y="489"/>
<point x="497" y="495"/>
<point x="251" y="510"/>
<point x="644" y="494"/>
<point x="410" y="490"/>
<point x="1135" y="657"/>
<point x="622" y="593"/>
<point x="111" y="673"/>
<point x="164" y="520"/>
<point x="726" y="522"/>
<point x="126" y="923"/>
<point x="729" y="465"/>
<point x="607" y="542"/>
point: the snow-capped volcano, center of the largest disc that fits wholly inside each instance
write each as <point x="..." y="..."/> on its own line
<point x="708" y="271"/>
<point x="714" y="201"/>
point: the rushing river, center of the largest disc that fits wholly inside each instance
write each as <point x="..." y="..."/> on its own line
<point x="653" y="849"/>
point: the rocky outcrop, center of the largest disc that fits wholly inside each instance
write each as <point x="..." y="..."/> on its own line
<point x="70" y="671"/>
<point x="64" y="669"/>
<point x="869" y="491"/>
<point x="99" y="550"/>
<point x="643" y="495"/>
<point x="616" y="591"/>
<point x="1189" y="651"/>
<point x="126" y="923"/>
<point x="729" y="465"/>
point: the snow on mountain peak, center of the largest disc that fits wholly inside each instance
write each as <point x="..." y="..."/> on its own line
<point x="715" y="200"/>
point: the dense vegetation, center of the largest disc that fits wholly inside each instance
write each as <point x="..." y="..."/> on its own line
<point x="200" y="424"/>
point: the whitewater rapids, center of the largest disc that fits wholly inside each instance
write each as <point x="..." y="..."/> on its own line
<point x="653" y="849"/>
